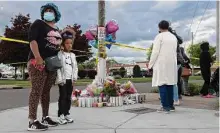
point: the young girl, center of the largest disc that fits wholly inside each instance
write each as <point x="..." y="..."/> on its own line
<point x="66" y="77"/>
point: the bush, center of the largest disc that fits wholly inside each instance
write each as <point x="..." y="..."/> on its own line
<point x="137" y="71"/>
<point x="82" y="74"/>
<point x="155" y="90"/>
<point x="26" y="76"/>
<point x="122" y="71"/>
<point x="194" y="89"/>
<point x="116" y="72"/>
<point x="117" y="77"/>
<point x="92" y="74"/>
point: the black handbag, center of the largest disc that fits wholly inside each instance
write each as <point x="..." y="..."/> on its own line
<point x="53" y="63"/>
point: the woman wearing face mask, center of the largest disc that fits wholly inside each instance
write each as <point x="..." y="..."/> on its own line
<point x="45" y="42"/>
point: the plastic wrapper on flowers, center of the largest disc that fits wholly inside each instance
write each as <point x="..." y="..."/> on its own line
<point x="127" y="88"/>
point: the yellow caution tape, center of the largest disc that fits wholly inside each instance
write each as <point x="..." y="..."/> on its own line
<point x="13" y="40"/>
<point x="127" y="46"/>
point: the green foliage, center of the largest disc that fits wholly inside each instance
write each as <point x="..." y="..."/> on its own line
<point x="155" y="90"/>
<point x="82" y="74"/>
<point x="194" y="52"/>
<point x="122" y="71"/>
<point x="136" y="71"/>
<point x="194" y="89"/>
<point x="92" y="74"/>
<point x="110" y="91"/>
<point x="11" y="52"/>
<point x="116" y="72"/>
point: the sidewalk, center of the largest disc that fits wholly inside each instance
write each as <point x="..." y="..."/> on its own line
<point x="115" y="120"/>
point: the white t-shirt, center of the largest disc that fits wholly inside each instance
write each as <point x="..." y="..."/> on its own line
<point x="68" y="67"/>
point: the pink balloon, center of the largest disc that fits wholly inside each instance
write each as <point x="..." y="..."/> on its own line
<point x="112" y="26"/>
<point x="94" y="30"/>
<point x="89" y="35"/>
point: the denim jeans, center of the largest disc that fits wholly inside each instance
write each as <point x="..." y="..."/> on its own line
<point x="175" y="93"/>
<point x="166" y="96"/>
<point x="176" y="89"/>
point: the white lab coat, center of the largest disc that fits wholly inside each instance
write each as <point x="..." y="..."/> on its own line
<point x="61" y="77"/>
<point x="164" y="60"/>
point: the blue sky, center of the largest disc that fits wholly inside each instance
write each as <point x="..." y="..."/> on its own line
<point x="137" y="20"/>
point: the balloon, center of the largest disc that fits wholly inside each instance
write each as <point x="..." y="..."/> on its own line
<point x="93" y="43"/>
<point x="111" y="27"/>
<point x="109" y="38"/>
<point x="93" y="30"/>
<point x="89" y="35"/>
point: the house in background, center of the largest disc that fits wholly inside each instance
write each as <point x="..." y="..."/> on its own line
<point x="129" y="67"/>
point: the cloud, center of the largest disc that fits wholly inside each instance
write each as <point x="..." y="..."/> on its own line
<point x="138" y="20"/>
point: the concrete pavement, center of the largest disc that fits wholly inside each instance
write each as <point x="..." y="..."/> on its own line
<point x="116" y="120"/>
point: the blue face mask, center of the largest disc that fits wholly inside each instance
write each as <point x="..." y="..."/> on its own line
<point x="49" y="16"/>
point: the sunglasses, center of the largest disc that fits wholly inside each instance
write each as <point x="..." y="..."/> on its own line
<point x="67" y="36"/>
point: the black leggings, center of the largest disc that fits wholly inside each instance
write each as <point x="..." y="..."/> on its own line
<point x="64" y="102"/>
<point x="206" y="74"/>
<point x="179" y="82"/>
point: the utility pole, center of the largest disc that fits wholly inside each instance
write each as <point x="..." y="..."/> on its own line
<point x="101" y="72"/>
<point x="192" y="65"/>
<point x="217" y="29"/>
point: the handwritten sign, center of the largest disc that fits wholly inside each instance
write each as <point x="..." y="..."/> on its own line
<point x="101" y="33"/>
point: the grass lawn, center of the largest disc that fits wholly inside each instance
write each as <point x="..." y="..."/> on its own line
<point x="82" y="82"/>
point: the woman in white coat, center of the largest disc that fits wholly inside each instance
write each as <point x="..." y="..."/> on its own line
<point x="163" y="61"/>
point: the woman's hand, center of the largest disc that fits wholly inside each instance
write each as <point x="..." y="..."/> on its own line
<point x="39" y="61"/>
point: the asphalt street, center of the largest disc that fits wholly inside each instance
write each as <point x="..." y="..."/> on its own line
<point x="11" y="98"/>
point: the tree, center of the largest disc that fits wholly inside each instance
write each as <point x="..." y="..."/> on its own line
<point x="194" y="52"/>
<point x="149" y="52"/>
<point x="80" y="43"/>
<point x="122" y="71"/>
<point x="136" y="71"/>
<point x="11" y="52"/>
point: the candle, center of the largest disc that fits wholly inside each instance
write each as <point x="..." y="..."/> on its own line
<point x="83" y="102"/>
<point x="113" y="101"/>
<point x="80" y="102"/>
<point x="120" y="101"/>
<point x="116" y="101"/>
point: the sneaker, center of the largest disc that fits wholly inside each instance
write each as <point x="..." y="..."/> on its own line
<point x="208" y="96"/>
<point x="49" y="122"/>
<point x="176" y="103"/>
<point x="68" y="119"/>
<point x="62" y="120"/>
<point x="172" y="109"/>
<point x="161" y="110"/>
<point x="37" y="126"/>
